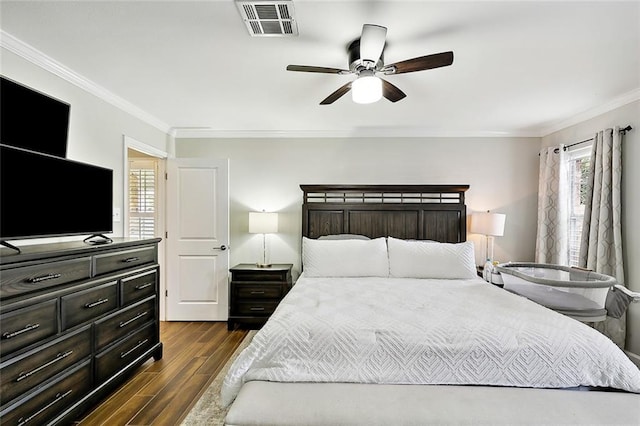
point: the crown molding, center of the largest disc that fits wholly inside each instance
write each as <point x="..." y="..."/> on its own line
<point x="33" y="55"/>
<point x="372" y="132"/>
<point x="615" y="103"/>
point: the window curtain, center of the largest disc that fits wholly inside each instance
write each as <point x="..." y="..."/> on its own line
<point x="553" y="209"/>
<point x="601" y="245"/>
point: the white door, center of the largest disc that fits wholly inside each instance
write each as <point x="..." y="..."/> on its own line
<point x="197" y="240"/>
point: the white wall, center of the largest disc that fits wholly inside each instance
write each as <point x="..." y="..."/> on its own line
<point x="628" y="114"/>
<point x="96" y="128"/>
<point x="266" y="174"/>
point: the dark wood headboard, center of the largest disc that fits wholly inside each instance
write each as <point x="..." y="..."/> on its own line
<point x="421" y="212"/>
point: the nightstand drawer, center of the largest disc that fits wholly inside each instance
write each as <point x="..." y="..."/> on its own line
<point x="26" y="372"/>
<point x="89" y="304"/>
<point x="262" y="275"/>
<point x="17" y="281"/>
<point x="255" y="308"/>
<point x="261" y="291"/>
<point x="110" y="262"/>
<point x="118" y="325"/>
<point x="25" y="326"/>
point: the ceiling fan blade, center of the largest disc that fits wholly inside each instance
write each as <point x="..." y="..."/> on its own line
<point x="337" y="94"/>
<point x="372" y="42"/>
<point x="421" y="63"/>
<point x="391" y="92"/>
<point x="325" y="70"/>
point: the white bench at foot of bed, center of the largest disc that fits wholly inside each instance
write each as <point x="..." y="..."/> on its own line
<point x="268" y="403"/>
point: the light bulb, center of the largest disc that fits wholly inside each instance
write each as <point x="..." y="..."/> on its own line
<point x="366" y="89"/>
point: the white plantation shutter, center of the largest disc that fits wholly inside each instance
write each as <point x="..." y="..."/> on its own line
<point x="142" y="198"/>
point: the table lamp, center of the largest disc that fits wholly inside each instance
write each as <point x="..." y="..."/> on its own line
<point x="490" y="225"/>
<point x="263" y="223"/>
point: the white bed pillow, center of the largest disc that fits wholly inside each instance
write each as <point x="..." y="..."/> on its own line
<point x="420" y="259"/>
<point x="345" y="258"/>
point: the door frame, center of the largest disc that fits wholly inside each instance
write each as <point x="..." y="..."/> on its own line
<point x="162" y="156"/>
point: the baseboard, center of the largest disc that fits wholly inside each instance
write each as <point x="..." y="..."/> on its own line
<point x="634" y="357"/>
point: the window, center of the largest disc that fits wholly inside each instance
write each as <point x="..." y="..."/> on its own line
<point x="578" y="171"/>
<point x="142" y="198"/>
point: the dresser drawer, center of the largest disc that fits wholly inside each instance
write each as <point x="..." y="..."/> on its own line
<point x="31" y="369"/>
<point x="110" y="262"/>
<point x="118" y="325"/>
<point x="47" y="402"/>
<point x="254" y="308"/>
<point x="257" y="291"/>
<point x="28" y="325"/>
<point x="125" y="352"/>
<point x="88" y="304"/>
<point x="25" y="279"/>
<point x="138" y="287"/>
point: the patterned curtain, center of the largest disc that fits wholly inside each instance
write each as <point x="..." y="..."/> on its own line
<point x="601" y="245"/>
<point x="551" y="237"/>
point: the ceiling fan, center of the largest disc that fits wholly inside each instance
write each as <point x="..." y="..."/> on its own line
<point x="366" y="60"/>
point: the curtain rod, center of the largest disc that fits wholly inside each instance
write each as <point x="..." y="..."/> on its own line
<point x="557" y="150"/>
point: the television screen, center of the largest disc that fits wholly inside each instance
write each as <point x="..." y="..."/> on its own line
<point x="32" y="120"/>
<point x="44" y="196"/>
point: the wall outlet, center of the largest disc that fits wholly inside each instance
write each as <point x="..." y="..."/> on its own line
<point x="116" y="214"/>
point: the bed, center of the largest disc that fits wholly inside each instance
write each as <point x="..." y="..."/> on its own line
<point x="389" y="324"/>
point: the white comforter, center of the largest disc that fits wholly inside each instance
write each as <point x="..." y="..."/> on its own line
<point x="412" y="331"/>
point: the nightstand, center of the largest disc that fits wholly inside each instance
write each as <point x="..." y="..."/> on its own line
<point x="254" y="292"/>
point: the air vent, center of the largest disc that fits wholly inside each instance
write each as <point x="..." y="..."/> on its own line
<point x="268" y="18"/>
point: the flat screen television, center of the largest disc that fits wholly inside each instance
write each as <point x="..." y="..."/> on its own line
<point x="32" y="120"/>
<point x="46" y="196"/>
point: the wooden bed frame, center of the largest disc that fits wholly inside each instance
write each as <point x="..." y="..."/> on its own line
<point x="424" y="212"/>
<point x="419" y="212"/>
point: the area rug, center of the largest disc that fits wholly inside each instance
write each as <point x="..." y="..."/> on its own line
<point x="208" y="411"/>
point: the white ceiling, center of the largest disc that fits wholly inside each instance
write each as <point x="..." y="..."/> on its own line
<point x="520" y="68"/>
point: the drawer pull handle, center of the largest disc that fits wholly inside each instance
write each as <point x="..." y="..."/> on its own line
<point x="137" y="317"/>
<point x="58" y="357"/>
<point x="26" y="328"/>
<point x="140" y="344"/>
<point x="257" y="292"/>
<point x="59" y="397"/>
<point x="96" y="303"/>
<point x="260" y="308"/>
<point x="43" y="278"/>
<point x="143" y="286"/>
<point x="130" y="259"/>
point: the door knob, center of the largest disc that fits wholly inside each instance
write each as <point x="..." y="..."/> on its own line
<point x="222" y="248"/>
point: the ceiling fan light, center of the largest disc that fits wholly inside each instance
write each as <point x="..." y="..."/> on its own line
<point x="366" y="90"/>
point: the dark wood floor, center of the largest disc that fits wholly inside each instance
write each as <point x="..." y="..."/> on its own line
<point x="163" y="392"/>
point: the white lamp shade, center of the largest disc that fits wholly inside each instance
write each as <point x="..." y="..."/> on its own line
<point x="263" y="223"/>
<point x="366" y="89"/>
<point x="486" y="223"/>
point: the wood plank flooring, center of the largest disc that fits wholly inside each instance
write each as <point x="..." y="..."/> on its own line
<point x="163" y="392"/>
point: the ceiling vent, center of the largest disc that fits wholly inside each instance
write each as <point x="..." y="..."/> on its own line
<point x="268" y="18"/>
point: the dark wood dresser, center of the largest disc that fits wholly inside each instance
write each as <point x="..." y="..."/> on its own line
<point x="75" y="320"/>
<point x="256" y="291"/>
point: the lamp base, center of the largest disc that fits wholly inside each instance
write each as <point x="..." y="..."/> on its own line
<point x="263" y="265"/>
